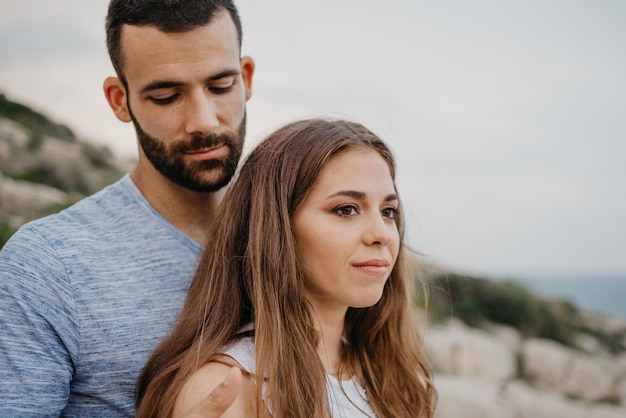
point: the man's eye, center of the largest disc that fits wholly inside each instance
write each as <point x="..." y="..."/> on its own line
<point x="221" y="89"/>
<point x="164" y="100"/>
<point x="347" y="210"/>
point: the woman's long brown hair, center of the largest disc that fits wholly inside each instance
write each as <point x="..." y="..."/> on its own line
<point x="249" y="272"/>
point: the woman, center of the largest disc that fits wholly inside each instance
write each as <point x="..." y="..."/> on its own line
<point x="302" y="282"/>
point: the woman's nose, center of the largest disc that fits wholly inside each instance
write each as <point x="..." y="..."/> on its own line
<point x="379" y="231"/>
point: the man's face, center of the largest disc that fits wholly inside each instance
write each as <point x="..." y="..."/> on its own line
<point x="186" y="96"/>
<point x="221" y="156"/>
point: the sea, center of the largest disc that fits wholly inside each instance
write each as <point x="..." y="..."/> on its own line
<point x="602" y="295"/>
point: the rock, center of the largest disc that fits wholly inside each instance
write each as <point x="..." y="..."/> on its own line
<point x="507" y="334"/>
<point x="468" y="398"/>
<point x="22" y="201"/>
<point x="528" y="402"/>
<point x="476" y="376"/>
<point x="620" y="379"/>
<point x="72" y="166"/>
<point x="549" y="365"/>
<point x="12" y="133"/>
<point x="588" y="343"/>
<point x="456" y="349"/>
<point x="67" y="166"/>
<point x="606" y="411"/>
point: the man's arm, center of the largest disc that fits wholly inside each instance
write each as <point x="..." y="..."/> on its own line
<point x="37" y="332"/>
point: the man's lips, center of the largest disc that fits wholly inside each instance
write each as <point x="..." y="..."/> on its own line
<point x="377" y="267"/>
<point x="209" y="153"/>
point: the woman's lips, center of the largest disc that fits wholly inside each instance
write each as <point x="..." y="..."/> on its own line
<point x="376" y="268"/>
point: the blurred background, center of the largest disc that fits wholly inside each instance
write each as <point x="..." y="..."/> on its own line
<point x="508" y="123"/>
<point x="507" y="118"/>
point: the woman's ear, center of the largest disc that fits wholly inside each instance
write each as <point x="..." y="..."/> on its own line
<point x="115" y="93"/>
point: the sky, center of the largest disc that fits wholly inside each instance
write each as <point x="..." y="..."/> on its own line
<point x="507" y="118"/>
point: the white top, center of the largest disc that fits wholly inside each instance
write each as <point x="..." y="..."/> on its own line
<point x="347" y="398"/>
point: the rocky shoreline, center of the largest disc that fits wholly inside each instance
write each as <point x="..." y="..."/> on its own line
<point x="495" y="372"/>
<point x="41" y="174"/>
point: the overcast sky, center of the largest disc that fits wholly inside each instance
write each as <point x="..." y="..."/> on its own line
<point x="508" y="118"/>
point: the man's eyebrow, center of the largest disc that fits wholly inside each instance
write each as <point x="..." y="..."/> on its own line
<point x="226" y="73"/>
<point x="159" y="85"/>
<point x="156" y="85"/>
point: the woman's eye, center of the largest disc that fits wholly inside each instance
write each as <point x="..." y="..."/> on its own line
<point x="347" y="210"/>
<point x="390" y="213"/>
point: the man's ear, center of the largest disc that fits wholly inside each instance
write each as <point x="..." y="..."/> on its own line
<point x="247" y="71"/>
<point x="115" y="93"/>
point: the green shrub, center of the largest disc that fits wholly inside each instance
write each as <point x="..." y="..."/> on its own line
<point x="6" y="231"/>
<point x="36" y="122"/>
<point x="37" y="175"/>
<point x="477" y="301"/>
<point x="35" y="140"/>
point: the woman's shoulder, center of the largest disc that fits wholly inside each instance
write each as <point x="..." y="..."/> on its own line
<point x="204" y="380"/>
<point x="242" y="352"/>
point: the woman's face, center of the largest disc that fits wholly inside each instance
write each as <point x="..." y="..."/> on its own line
<point x="347" y="237"/>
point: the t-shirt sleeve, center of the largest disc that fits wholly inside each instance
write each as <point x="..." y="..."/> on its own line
<point x="38" y="327"/>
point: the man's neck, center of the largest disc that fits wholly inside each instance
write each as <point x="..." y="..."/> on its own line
<point x="190" y="212"/>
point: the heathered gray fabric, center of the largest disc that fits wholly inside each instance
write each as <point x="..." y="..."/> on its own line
<point x="85" y="296"/>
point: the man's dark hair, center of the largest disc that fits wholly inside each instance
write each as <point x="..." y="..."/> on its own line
<point x="171" y="16"/>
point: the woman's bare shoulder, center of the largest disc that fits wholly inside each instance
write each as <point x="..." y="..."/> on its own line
<point x="202" y="382"/>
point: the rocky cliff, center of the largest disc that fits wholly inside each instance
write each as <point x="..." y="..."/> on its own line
<point x="45" y="167"/>
<point x="494" y="372"/>
<point x="528" y="357"/>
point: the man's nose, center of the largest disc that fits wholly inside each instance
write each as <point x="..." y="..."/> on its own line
<point x="201" y="114"/>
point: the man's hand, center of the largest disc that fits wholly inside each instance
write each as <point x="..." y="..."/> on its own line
<point x="218" y="401"/>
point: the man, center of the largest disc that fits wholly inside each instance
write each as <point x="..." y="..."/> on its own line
<point x="86" y="294"/>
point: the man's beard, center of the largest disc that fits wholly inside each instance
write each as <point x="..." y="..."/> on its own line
<point x="170" y="161"/>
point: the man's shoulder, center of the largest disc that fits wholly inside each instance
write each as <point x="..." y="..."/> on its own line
<point x="118" y="197"/>
<point x="109" y="225"/>
<point x="102" y="210"/>
<point x="114" y="200"/>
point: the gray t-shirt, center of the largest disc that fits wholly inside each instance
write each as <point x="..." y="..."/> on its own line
<point x="85" y="296"/>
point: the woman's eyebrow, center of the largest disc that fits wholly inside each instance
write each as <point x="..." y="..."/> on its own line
<point x="360" y="195"/>
<point x="348" y="193"/>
